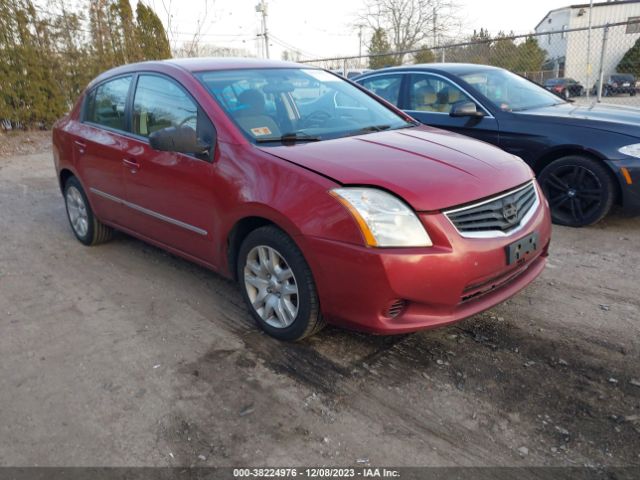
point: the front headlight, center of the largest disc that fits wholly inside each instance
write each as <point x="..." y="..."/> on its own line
<point x="631" y="150"/>
<point x="385" y="220"/>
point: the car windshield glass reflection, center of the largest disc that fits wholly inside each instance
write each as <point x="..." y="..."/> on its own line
<point x="510" y="92"/>
<point x="297" y="105"/>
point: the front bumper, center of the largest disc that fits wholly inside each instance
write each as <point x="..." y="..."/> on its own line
<point x="630" y="192"/>
<point x="456" y="278"/>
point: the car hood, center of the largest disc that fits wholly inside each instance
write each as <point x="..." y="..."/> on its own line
<point x="431" y="169"/>
<point x="614" y="118"/>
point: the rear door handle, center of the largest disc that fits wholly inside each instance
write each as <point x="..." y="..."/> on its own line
<point x="81" y="145"/>
<point x="132" y="165"/>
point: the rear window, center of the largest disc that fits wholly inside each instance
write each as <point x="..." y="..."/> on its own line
<point x="106" y="103"/>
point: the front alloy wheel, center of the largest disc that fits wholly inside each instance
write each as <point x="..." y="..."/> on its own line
<point x="580" y="190"/>
<point x="271" y="286"/>
<point x="277" y="285"/>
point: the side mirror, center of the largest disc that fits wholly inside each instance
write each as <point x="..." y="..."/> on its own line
<point x="466" y="109"/>
<point x="181" y="139"/>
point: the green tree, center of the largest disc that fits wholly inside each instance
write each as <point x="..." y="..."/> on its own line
<point x="424" y="55"/>
<point x="379" y="45"/>
<point x="28" y="97"/>
<point x="126" y="31"/>
<point x="480" y="49"/>
<point x="630" y="62"/>
<point x="47" y="56"/>
<point x="530" y="56"/>
<point x="504" y="52"/>
<point x="151" y="35"/>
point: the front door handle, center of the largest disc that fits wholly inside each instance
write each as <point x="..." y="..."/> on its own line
<point x="132" y="165"/>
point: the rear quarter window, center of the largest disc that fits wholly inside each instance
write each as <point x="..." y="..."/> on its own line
<point x="106" y="104"/>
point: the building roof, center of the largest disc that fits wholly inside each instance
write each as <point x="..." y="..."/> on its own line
<point x="586" y="5"/>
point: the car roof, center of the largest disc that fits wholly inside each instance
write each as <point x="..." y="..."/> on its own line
<point x="200" y="64"/>
<point x="453" y="68"/>
<point x="229" y="63"/>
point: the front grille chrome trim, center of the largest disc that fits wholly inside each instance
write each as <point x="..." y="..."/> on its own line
<point x="498" y="233"/>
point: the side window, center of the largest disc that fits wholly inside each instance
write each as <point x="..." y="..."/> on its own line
<point x="385" y="86"/>
<point x="106" y="103"/>
<point x="428" y="93"/>
<point x="159" y="103"/>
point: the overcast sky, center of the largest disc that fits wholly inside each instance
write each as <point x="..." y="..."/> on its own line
<point x="322" y="28"/>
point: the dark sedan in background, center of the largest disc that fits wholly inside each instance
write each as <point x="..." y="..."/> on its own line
<point x="586" y="158"/>
<point x="617" y="84"/>
<point x="565" y="87"/>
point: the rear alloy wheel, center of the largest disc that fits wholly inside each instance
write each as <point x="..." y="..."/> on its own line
<point x="278" y="286"/>
<point x="566" y="94"/>
<point x="86" y="227"/>
<point x="580" y="190"/>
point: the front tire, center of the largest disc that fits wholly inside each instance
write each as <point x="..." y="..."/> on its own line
<point x="580" y="190"/>
<point x="278" y="286"/>
<point x="85" y="225"/>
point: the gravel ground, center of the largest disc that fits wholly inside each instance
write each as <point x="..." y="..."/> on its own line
<point x="123" y="355"/>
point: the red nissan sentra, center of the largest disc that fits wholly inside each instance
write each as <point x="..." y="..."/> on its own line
<point x="326" y="203"/>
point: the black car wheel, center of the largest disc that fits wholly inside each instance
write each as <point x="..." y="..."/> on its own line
<point x="580" y="190"/>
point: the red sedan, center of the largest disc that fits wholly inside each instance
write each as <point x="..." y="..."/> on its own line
<point x="324" y="202"/>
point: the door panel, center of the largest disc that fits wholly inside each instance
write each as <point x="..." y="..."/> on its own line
<point x="430" y="100"/>
<point x="170" y="195"/>
<point x="99" y="148"/>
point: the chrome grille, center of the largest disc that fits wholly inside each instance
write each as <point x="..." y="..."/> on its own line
<point x="502" y="214"/>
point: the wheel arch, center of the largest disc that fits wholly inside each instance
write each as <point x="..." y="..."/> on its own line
<point x="64" y="175"/>
<point x="239" y="232"/>
<point x="567" y="150"/>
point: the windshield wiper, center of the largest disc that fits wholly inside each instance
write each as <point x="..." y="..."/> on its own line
<point x="374" y="128"/>
<point x="291" y="137"/>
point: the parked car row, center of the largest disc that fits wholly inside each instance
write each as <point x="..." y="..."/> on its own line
<point x="586" y="158"/>
<point x="565" y="87"/>
<point x="616" y="84"/>
<point x="330" y="201"/>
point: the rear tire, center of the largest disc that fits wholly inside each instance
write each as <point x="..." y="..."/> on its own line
<point x="580" y="190"/>
<point x="84" y="224"/>
<point x="278" y="286"/>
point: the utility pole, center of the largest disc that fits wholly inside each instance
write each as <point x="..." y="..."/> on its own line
<point x="262" y="9"/>
<point x="435" y="28"/>
<point x="603" y="54"/>
<point x="360" y="44"/>
<point x="589" y="51"/>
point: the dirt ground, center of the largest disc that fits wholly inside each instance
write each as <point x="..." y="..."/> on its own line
<point x="123" y="355"/>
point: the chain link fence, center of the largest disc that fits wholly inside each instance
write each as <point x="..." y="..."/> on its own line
<point x="601" y="63"/>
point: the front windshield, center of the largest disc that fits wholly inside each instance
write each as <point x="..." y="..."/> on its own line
<point x="290" y="104"/>
<point x="510" y="92"/>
